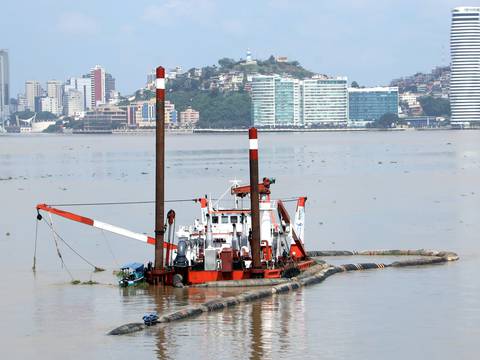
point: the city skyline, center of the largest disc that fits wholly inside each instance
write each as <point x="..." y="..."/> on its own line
<point x="124" y="43"/>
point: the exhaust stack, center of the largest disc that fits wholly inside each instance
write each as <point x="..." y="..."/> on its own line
<point x="160" y="167"/>
<point x="254" y="198"/>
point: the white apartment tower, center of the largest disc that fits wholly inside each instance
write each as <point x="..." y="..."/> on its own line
<point x="84" y="85"/>
<point x="465" y="66"/>
<point x="32" y="90"/>
<point x="325" y="101"/>
<point x="263" y="100"/>
<point x="73" y="104"/>
<point x="55" y="91"/>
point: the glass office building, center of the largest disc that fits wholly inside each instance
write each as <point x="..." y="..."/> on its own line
<point x="287" y="102"/>
<point x="369" y="104"/>
<point x="263" y="100"/>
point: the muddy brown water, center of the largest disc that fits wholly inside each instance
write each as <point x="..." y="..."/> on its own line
<point x="365" y="191"/>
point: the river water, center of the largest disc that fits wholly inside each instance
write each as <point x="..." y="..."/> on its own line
<point x="367" y="190"/>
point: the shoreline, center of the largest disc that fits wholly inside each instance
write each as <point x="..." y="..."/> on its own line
<point x="235" y="131"/>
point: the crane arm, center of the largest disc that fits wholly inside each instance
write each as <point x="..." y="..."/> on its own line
<point x="282" y="211"/>
<point x="100" y="225"/>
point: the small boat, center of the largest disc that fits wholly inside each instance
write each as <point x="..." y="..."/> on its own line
<point x="132" y="274"/>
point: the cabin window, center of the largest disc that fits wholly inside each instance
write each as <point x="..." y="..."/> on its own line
<point x="224" y="219"/>
<point x="214" y="219"/>
<point x="234" y="219"/>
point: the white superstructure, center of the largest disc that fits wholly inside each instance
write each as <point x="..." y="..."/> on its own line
<point x="465" y="66"/>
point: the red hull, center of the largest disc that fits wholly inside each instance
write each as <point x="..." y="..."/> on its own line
<point x="193" y="277"/>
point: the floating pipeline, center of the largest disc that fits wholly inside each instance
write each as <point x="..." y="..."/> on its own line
<point x="311" y="276"/>
<point x="262" y="282"/>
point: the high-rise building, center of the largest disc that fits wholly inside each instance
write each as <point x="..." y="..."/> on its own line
<point x="278" y="101"/>
<point x="84" y="85"/>
<point x="55" y="91"/>
<point x="324" y="101"/>
<point x="109" y="87"/>
<point x="465" y="69"/>
<point x="263" y="100"/>
<point x="97" y="78"/>
<point x="32" y="90"/>
<point x="21" y="102"/>
<point x="369" y="104"/>
<point x="4" y="86"/>
<point x="73" y="102"/>
<point x="287" y="102"/>
<point x="48" y="104"/>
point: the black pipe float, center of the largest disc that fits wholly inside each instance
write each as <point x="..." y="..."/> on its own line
<point x="313" y="275"/>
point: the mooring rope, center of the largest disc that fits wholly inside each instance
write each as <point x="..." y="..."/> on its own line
<point x="109" y="248"/>
<point x="50" y="225"/>
<point x="313" y="275"/>
<point x="58" y="251"/>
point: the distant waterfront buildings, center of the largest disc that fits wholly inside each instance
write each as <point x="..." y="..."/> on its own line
<point x="171" y="115"/>
<point x="141" y="114"/>
<point x="278" y="101"/>
<point x="369" y="104"/>
<point x="4" y="86"/>
<point x="105" y="118"/>
<point x="465" y="69"/>
<point x="189" y="117"/>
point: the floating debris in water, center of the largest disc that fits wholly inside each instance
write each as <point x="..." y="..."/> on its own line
<point x="78" y="282"/>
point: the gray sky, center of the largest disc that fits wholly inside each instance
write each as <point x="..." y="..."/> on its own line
<point x="370" y="41"/>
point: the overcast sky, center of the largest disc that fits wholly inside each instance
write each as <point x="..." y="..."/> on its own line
<point x="370" y="41"/>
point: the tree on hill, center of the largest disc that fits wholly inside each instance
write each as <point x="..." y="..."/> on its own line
<point x="41" y="115"/>
<point x="226" y="63"/>
<point x="217" y="110"/>
<point x="435" y="106"/>
<point x="354" y="85"/>
<point x="45" y="115"/>
<point x="385" y="121"/>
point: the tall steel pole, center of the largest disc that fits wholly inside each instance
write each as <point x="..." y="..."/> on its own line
<point x="254" y="198"/>
<point x="160" y="167"/>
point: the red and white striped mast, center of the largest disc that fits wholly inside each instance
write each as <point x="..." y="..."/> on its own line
<point x="254" y="198"/>
<point x="160" y="168"/>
